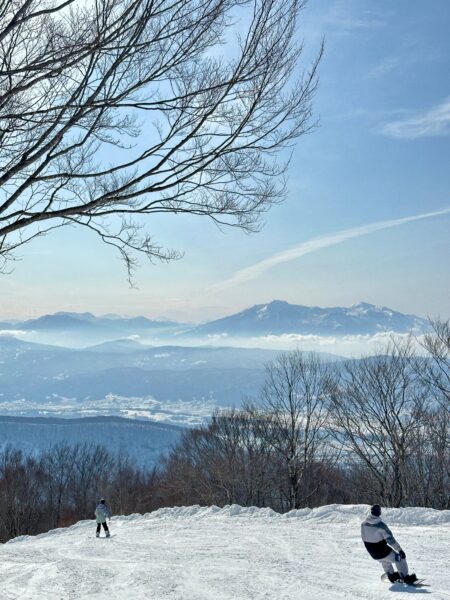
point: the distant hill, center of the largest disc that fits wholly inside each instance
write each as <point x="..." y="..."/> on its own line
<point x="61" y="321"/>
<point x="11" y="347"/>
<point x="117" y="347"/>
<point x="279" y="317"/>
<point x="143" y="441"/>
<point x="42" y="379"/>
<point x="84" y="329"/>
<point x="68" y="321"/>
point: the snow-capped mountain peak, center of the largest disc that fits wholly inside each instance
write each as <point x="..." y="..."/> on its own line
<point x="279" y="317"/>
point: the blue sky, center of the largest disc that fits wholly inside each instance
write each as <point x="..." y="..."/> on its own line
<point x="380" y="154"/>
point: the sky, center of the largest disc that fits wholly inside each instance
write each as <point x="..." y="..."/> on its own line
<point x="367" y="216"/>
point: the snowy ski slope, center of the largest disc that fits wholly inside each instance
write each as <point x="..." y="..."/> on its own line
<point x="232" y="553"/>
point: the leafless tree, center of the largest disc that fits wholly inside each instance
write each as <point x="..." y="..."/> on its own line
<point x="376" y="411"/>
<point x="228" y="461"/>
<point x="58" y="464"/>
<point x="260" y="467"/>
<point x="437" y="373"/>
<point x="429" y="460"/>
<point x="21" y="506"/>
<point x="38" y="493"/>
<point x="93" y="470"/>
<point x="248" y="462"/>
<point x="296" y="395"/>
<point x="130" y="488"/>
<point x="190" y="471"/>
<point x="115" y="108"/>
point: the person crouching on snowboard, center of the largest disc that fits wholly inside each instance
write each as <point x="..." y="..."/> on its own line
<point x="102" y="512"/>
<point x="382" y="546"/>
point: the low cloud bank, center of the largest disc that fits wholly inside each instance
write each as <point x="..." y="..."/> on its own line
<point x="350" y="346"/>
<point x="13" y="333"/>
<point x="346" y="345"/>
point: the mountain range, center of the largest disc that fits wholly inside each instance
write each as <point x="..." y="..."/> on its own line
<point x="83" y="329"/>
<point x="161" y="370"/>
<point x="279" y="317"/>
<point x="275" y="318"/>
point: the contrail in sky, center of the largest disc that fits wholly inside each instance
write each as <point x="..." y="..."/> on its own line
<point x="254" y="271"/>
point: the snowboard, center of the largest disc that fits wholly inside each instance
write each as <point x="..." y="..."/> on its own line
<point x="417" y="583"/>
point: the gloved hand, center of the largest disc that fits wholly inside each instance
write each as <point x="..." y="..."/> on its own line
<point x="402" y="554"/>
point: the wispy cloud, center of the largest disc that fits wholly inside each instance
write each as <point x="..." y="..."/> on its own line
<point x="405" y="57"/>
<point x="349" y="16"/>
<point x="386" y="65"/>
<point x="434" y="122"/>
<point x="349" y="24"/>
<point x="335" y="19"/>
<point x="315" y="244"/>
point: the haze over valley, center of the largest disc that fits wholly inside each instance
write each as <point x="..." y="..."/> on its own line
<point x="76" y="364"/>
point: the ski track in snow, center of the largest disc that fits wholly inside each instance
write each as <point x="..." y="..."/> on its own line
<point x="232" y="553"/>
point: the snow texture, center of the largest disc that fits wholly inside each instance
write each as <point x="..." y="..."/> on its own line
<point x="233" y="553"/>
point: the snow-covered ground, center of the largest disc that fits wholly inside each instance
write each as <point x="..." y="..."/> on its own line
<point x="232" y="553"/>
<point x="184" y="413"/>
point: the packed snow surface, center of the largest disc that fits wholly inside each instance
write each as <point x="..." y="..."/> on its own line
<point x="232" y="553"/>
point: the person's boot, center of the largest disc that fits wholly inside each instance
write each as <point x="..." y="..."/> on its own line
<point x="393" y="577"/>
<point x="108" y="534"/>
<point x="97" y="534"/>
<point x="409" y="579"/>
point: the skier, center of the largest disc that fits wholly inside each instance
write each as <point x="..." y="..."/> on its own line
<point x="102" y="512"/>
<point x="382" y="546"/>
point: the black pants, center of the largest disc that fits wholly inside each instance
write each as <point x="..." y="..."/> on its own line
<point x="105" y="527"/>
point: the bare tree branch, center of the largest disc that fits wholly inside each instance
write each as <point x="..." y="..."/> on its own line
<point x="137" y="107"/>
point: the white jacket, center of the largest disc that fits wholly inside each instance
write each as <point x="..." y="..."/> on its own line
<point x="378" y="538"/>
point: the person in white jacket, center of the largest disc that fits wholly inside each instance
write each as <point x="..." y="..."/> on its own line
<point x="102" y="513"/>
<point x="383" y="547"/>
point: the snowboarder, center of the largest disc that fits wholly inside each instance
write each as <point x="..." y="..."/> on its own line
<point x="102" y="512"/>
<point x="382" y="546"/>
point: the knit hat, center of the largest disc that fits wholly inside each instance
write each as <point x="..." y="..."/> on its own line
<point x="375" y="510"/>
